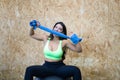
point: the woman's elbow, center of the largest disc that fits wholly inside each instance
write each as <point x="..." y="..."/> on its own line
<point x="79" y="50"/>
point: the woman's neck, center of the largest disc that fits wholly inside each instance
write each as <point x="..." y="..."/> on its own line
<point x="55" y="38"/>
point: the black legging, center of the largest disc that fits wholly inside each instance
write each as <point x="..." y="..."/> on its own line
<point x="53" y="68"/>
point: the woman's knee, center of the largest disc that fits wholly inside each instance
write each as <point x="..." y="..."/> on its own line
<point x="29" y="69"/>
<point x="76" y="69"/>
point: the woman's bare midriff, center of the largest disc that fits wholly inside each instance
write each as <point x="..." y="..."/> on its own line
<point x="50" y="60"/>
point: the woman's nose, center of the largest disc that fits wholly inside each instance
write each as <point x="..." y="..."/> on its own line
<point x="56" y="29"/>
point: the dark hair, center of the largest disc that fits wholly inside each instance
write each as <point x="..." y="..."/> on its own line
<point x="60" y="38"/>
<point x="64" y="31"/>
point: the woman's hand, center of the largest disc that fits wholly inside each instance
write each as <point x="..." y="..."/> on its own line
<point x="38" y="24"/>
<point x="70" y="33"/>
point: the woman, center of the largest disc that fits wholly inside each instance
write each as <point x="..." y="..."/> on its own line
<point x="54" y="54"/>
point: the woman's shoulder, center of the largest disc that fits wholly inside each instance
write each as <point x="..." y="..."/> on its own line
<point x="65" y="42"/>
<point x="45" y="37"/>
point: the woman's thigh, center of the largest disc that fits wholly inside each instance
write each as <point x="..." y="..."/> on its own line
<point x="67" y="71"/>
<point x="39" y="71"/>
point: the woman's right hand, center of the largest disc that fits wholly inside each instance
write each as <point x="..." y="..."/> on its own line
<point x="38" y="24"/>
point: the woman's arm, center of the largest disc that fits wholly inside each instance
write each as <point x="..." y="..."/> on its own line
<point x="72" y="46"/>
<point x="36" y="36"/>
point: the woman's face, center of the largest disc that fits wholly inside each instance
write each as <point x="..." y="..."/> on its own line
<point x="58" y="28"/>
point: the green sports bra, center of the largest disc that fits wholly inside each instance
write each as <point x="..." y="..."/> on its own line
<point x="55" y="55"/>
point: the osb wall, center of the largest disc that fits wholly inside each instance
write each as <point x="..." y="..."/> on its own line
<point x="96" y="21"/>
